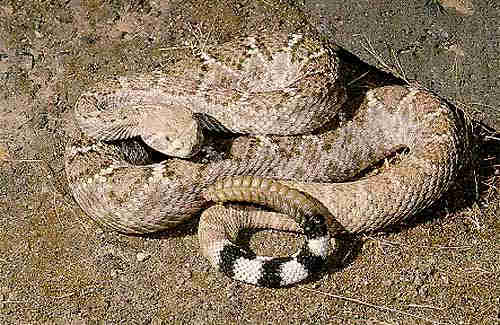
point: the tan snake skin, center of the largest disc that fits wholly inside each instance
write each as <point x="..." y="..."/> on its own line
<point x="436" y="142"/>
<point x="266" y="84"/>
<point x="436" y="138"/>
<point x="278" y="83"/>
<point x="123" y="187"/>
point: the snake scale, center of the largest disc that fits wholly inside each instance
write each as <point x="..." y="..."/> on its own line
<point x="276" y="93"/>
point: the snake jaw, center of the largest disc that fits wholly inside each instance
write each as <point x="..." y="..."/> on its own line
<point x="184" y="145"/>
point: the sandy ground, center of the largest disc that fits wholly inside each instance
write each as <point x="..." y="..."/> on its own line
<point x="57" y="266"/>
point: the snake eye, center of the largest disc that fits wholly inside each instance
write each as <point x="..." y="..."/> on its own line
<point x="317" y="219"/>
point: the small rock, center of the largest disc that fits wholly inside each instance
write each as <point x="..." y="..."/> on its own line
<point x="423" y="291"/>
<point x="142" y="256"/>
<point x="2" y="299"/>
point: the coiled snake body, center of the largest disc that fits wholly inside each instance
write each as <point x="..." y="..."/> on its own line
<point x="123" y="187"/>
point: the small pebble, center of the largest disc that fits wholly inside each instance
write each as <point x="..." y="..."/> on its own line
<point x="142" y="256"/>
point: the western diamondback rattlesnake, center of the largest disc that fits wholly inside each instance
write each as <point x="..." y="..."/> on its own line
<point x="123" y="187"/>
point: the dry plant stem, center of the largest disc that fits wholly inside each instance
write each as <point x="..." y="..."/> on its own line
<point x="383" y="308"/>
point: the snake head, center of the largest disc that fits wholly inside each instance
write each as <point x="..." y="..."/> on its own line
<point x="172" y="131"/>
<point x="181" y="142"/>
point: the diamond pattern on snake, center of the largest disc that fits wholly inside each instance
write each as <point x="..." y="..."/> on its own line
<point x="137" y="160"/>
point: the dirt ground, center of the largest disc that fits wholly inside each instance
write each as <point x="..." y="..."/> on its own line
<point x="57" y="266"/>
